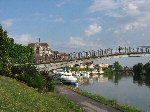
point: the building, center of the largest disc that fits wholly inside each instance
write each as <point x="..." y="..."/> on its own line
<point x="44" y="54"/>
<point x="41" y="48"/>
<point x="83" y="66"/>
<point x="91" y="66"/>
<point x="103" y="65"/>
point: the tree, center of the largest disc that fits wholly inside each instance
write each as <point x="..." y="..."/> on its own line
<point x="21" y="54"/>
<point x="117" y="66"/>
<point x="5" y="44"/>
<point x="147" y="68"/>
<point x="16" y="60"/>
<point x="138" y="69"/>
<point x="11" y="53"/>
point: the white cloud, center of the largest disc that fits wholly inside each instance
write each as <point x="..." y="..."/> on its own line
<point x="132" y="15"/>
<point x="60" y="19"/>
<point x="102" y="5"/>
<point x="47" y="18"/>
<point x="114" y="14"/>
<point x="138" y="23"/>
<point x="132" y="6"/>
<point x="116" y="31"/>
<point x="93" y="29"/>
<point x="62" y="2"/>
<point x="133" y="26"/>
<point x="76" y="42"/>
<point x="123" y="43"/>
<point x="23" y="38"/>
<point x="116" y="8"/>
<point x="130" y="27"/>
<point x="8" y="23"/>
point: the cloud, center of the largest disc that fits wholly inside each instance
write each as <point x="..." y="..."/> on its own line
<point x="116" y="8"/>
<point x="132" y="6"/>
<point x="62" y="2"/>
<point x="47" y="18"/>
<point x="130" y="27"/>
<point x="23" y="39"/>
<point x="8" y="23"/>
<point x="76" y="42"/>
<point x="102" y="5"/>
<point x="60" y="19"/>
<point x="93" y="29"/>
<point x="122" y="42"/>
<point x="132" y="15"/>
<point x="114" y="14"/>
<point x="80" y="43"/>
<point x="138" y="23"/>
<point x="133" y="26"/>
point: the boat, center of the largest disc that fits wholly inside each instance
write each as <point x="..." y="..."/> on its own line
<point x="68" y="79"/>
<point x="85" y="74"/>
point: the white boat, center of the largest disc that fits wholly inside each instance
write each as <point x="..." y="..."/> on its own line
<point x="67" y="78"/>
<point x="85" y="74"/>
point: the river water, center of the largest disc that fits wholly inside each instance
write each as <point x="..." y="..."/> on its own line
<point x="134" y="91"/>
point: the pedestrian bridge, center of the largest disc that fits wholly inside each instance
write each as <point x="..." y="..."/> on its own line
<point x="90" y="56"/>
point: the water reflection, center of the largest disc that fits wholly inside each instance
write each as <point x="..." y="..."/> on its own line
<point x="142" y="80"/>
<point x="122" y="87"/>
<point x="102" y="78"/>
<point x="117" y="76"/>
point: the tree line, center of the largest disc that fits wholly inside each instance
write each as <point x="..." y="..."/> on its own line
<point x="16" y="61"/>
<point x="141" y="69"/>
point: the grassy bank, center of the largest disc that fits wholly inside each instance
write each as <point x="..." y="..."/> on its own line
<point x="18" y="97"/>
<point x="113" y="103"/>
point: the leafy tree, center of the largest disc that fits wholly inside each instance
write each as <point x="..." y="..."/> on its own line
<point x="138" y="69"/>
<point x="117" y="66"/>
<point x="21" y="54"/>
<point x="15" y="61"/>
<point x="142" y="74"/>
<point x="147" y="68"/>
<point x="5" y="44"/>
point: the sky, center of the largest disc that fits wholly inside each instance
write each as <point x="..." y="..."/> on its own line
<point x="77" y="25"/>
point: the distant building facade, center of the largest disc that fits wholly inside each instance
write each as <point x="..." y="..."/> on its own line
<point x="103" y="65"/>
<point x="43" y="53"/>
<point x="41" y="48"/>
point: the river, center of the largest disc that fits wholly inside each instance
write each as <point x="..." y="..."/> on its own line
<point x="134" y="91"/>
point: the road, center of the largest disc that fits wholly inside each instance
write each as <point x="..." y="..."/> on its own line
<point x="88" y="104"/>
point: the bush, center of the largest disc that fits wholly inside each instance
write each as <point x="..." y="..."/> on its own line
<point x="29" y="75"/>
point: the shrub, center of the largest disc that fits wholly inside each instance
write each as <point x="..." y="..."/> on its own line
<point x="29" y="75"/>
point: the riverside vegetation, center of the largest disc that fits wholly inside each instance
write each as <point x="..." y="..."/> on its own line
<point x="18" y="97"/>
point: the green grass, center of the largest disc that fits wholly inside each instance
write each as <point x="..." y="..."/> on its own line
<point x="113" y="103"/>
<point x="18" y="97"/>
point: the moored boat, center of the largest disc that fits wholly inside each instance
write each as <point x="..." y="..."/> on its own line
<point x="68" y="79"/>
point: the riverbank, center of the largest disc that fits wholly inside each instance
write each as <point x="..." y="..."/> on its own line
<point x="105" y="103"/>
<point x="86" y="103"/>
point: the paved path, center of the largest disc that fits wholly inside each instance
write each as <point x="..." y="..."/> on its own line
<point x="88" y="104"/>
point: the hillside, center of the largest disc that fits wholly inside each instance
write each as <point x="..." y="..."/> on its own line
<point x="16" y="96"/>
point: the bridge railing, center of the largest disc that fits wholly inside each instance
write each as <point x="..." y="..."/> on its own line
<point x="100" y="53"/>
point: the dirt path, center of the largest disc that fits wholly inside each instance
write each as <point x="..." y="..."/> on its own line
<point x="88" y="104"/>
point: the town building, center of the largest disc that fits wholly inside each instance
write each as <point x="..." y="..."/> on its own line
<point x="103" y="65"/>
<point x="43" y="53"/>
<point x="40" y="48"/>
